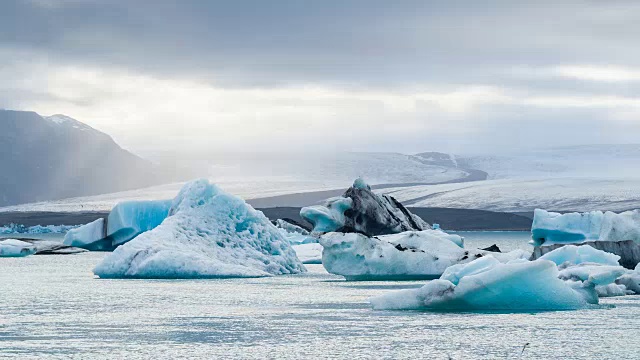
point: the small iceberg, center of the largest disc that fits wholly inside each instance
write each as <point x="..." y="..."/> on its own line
<point x="486" y="284"/>
<point x="16" y="248"/>
<point x="207" y="234"/>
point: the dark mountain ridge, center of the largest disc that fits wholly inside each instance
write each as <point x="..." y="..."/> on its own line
<point x="55" y="157"/>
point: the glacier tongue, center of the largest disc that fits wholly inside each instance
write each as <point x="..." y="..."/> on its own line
<point x="360" y="210"/>
<point x="208" y="234"/>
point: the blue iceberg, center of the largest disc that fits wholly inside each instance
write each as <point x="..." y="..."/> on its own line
<point x="131" y="218"/>
<point x="486" y="284"/>
<point x="208" y="234"/>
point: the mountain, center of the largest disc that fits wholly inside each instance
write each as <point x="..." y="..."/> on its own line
<point x="55" y="157"/>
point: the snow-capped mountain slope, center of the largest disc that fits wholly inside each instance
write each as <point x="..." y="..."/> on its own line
<point x="56" y="157"/>
<point x="524" y="195"/>
<point x="591" y="161"/>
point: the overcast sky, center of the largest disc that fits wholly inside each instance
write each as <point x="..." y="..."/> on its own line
<point x="404" y="76"/>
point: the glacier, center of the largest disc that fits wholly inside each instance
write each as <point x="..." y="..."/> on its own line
<point x="363" y="211"/>
<point x="16" y="248"/>
<point x="208" y="233"/>
<point x="408" y="255"/>
<point x="129" y="219"/>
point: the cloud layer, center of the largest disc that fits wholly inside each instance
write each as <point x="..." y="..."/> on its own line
<point x="346" y="75"/>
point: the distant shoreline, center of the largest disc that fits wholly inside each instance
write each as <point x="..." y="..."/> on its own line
<point x="447" y="218"/>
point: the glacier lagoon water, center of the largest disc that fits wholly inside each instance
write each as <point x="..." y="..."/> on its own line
<point x="53" y="307"/>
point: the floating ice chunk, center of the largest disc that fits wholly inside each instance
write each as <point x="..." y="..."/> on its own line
<point x="631" y="281"/>
<point x="612" y="290"/>
<point x="208" y="234"/>
<point x="131" y="218"/>
<point x="580" y="254"/>
<point x="408" y="255"/>
<point x="309" y="253"/>
<point x="290" y="227"/>
<point x="554" y="228"/>
<point x="296" y="235"/>
<point x="360" y="210"/>
<point x="16" y="248"/>
<point x="595" y="273"/>
<point x="36" y="229"/>
<point x="45" y="247"/>
<point x="90" y="236"/>
<point x="493" y="286"/>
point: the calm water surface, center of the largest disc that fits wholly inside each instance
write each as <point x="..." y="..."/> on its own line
<point x="53" y="307"/>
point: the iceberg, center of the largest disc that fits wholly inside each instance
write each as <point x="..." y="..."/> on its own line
<point x="131" y="218"/>
<point x="207" y="234"/>
<point x="578" y="263"/>
<point x="613" y="233"/>
<point x="16" y="248"/>
<point x="486" y="284"/>
<point x="125" y="221"/>
<point x="409" y="255"/>
<point x="360" y="210"/>
<point x="554" y="228"/>
<point x="310" y="253"/>
<point x="91" y="236"/>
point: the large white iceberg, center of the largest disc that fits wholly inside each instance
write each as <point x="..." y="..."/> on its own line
<point x="360" y="210"/>
<point x="409" y="255"/>
<point x="486" y="284"/>
<point x="16" y="248"/>
<point x="129" y="219"/>
<point x="554" y="228"/>
<point x="208" y="234"/>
